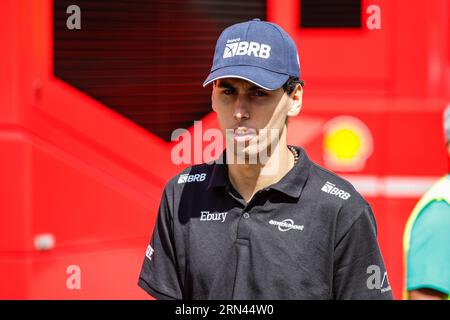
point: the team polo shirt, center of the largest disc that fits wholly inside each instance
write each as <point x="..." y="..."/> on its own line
<point x="308" y="236"/>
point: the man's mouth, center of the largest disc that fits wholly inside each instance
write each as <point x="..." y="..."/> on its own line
<point x="242" y="134"/>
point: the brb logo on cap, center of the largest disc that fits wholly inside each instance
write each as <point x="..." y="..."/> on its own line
<point x="235" y="47"/>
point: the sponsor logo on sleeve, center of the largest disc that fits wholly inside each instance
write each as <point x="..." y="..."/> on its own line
<point x="149" y="252"/>
<point x="330" y="188"/>
<point x="185" y="178"/>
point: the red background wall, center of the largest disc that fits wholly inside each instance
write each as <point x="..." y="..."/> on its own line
<point x="71" y="167"/>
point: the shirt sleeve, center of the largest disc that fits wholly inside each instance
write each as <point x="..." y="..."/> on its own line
<point x="159" y="276"/>
<point x="428" y="258"/>
<point x="359" y="270"/>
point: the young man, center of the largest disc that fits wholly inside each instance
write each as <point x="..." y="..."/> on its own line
<point x="268" y="223"/>
<point x="427" y="239"/>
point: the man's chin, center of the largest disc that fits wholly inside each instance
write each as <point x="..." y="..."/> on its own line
<point x="249" y="147"/>
<point x="250" y="154"/>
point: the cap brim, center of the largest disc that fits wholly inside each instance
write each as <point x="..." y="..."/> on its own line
<point x="263" y="78"/>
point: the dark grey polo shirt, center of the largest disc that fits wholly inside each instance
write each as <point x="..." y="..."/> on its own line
<point x="309" y="236"/>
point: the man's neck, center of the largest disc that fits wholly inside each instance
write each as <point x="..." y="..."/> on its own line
<point x="248" y="179"/>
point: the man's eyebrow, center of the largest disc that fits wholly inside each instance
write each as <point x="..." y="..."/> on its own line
<point x="255" y="87"/>
<point x="225" y="84"/>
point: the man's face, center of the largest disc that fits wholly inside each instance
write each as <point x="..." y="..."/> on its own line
<point x="251" y="117"/>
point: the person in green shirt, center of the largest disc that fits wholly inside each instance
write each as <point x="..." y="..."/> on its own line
<point x="427" y="240"/>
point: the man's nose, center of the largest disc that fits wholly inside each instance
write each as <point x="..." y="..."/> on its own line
<point x="241" y="108"/>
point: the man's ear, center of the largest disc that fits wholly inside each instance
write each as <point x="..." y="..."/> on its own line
<point x="296" y="104"/>
<point x="213" y="105"/>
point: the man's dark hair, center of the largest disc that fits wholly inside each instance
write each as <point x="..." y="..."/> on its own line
<point x="288" y="86"/>
<point x="291" y="83"/>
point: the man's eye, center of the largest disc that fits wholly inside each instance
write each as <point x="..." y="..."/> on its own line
<point x="228" y="92"/>
<point x="260" y="93"/>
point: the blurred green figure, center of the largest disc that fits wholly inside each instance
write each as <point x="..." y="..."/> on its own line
<point x="426" y="241"/>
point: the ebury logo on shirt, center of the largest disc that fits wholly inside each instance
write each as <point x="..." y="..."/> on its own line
<point x="215" y="216"/>
<point x="183" y="178"/>
<point x="234" y="47"/>
<point x="330" y="188"/>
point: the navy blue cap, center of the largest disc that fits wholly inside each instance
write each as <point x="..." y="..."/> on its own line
<point x="257" y="51"/>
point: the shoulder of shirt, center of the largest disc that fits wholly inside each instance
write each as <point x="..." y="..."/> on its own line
<point x="322" y="174"/>
<point x="349" y="210"/>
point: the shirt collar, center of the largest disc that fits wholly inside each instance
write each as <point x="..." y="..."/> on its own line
<point x="219" y="174"/>
<point x="291" y="184"/>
